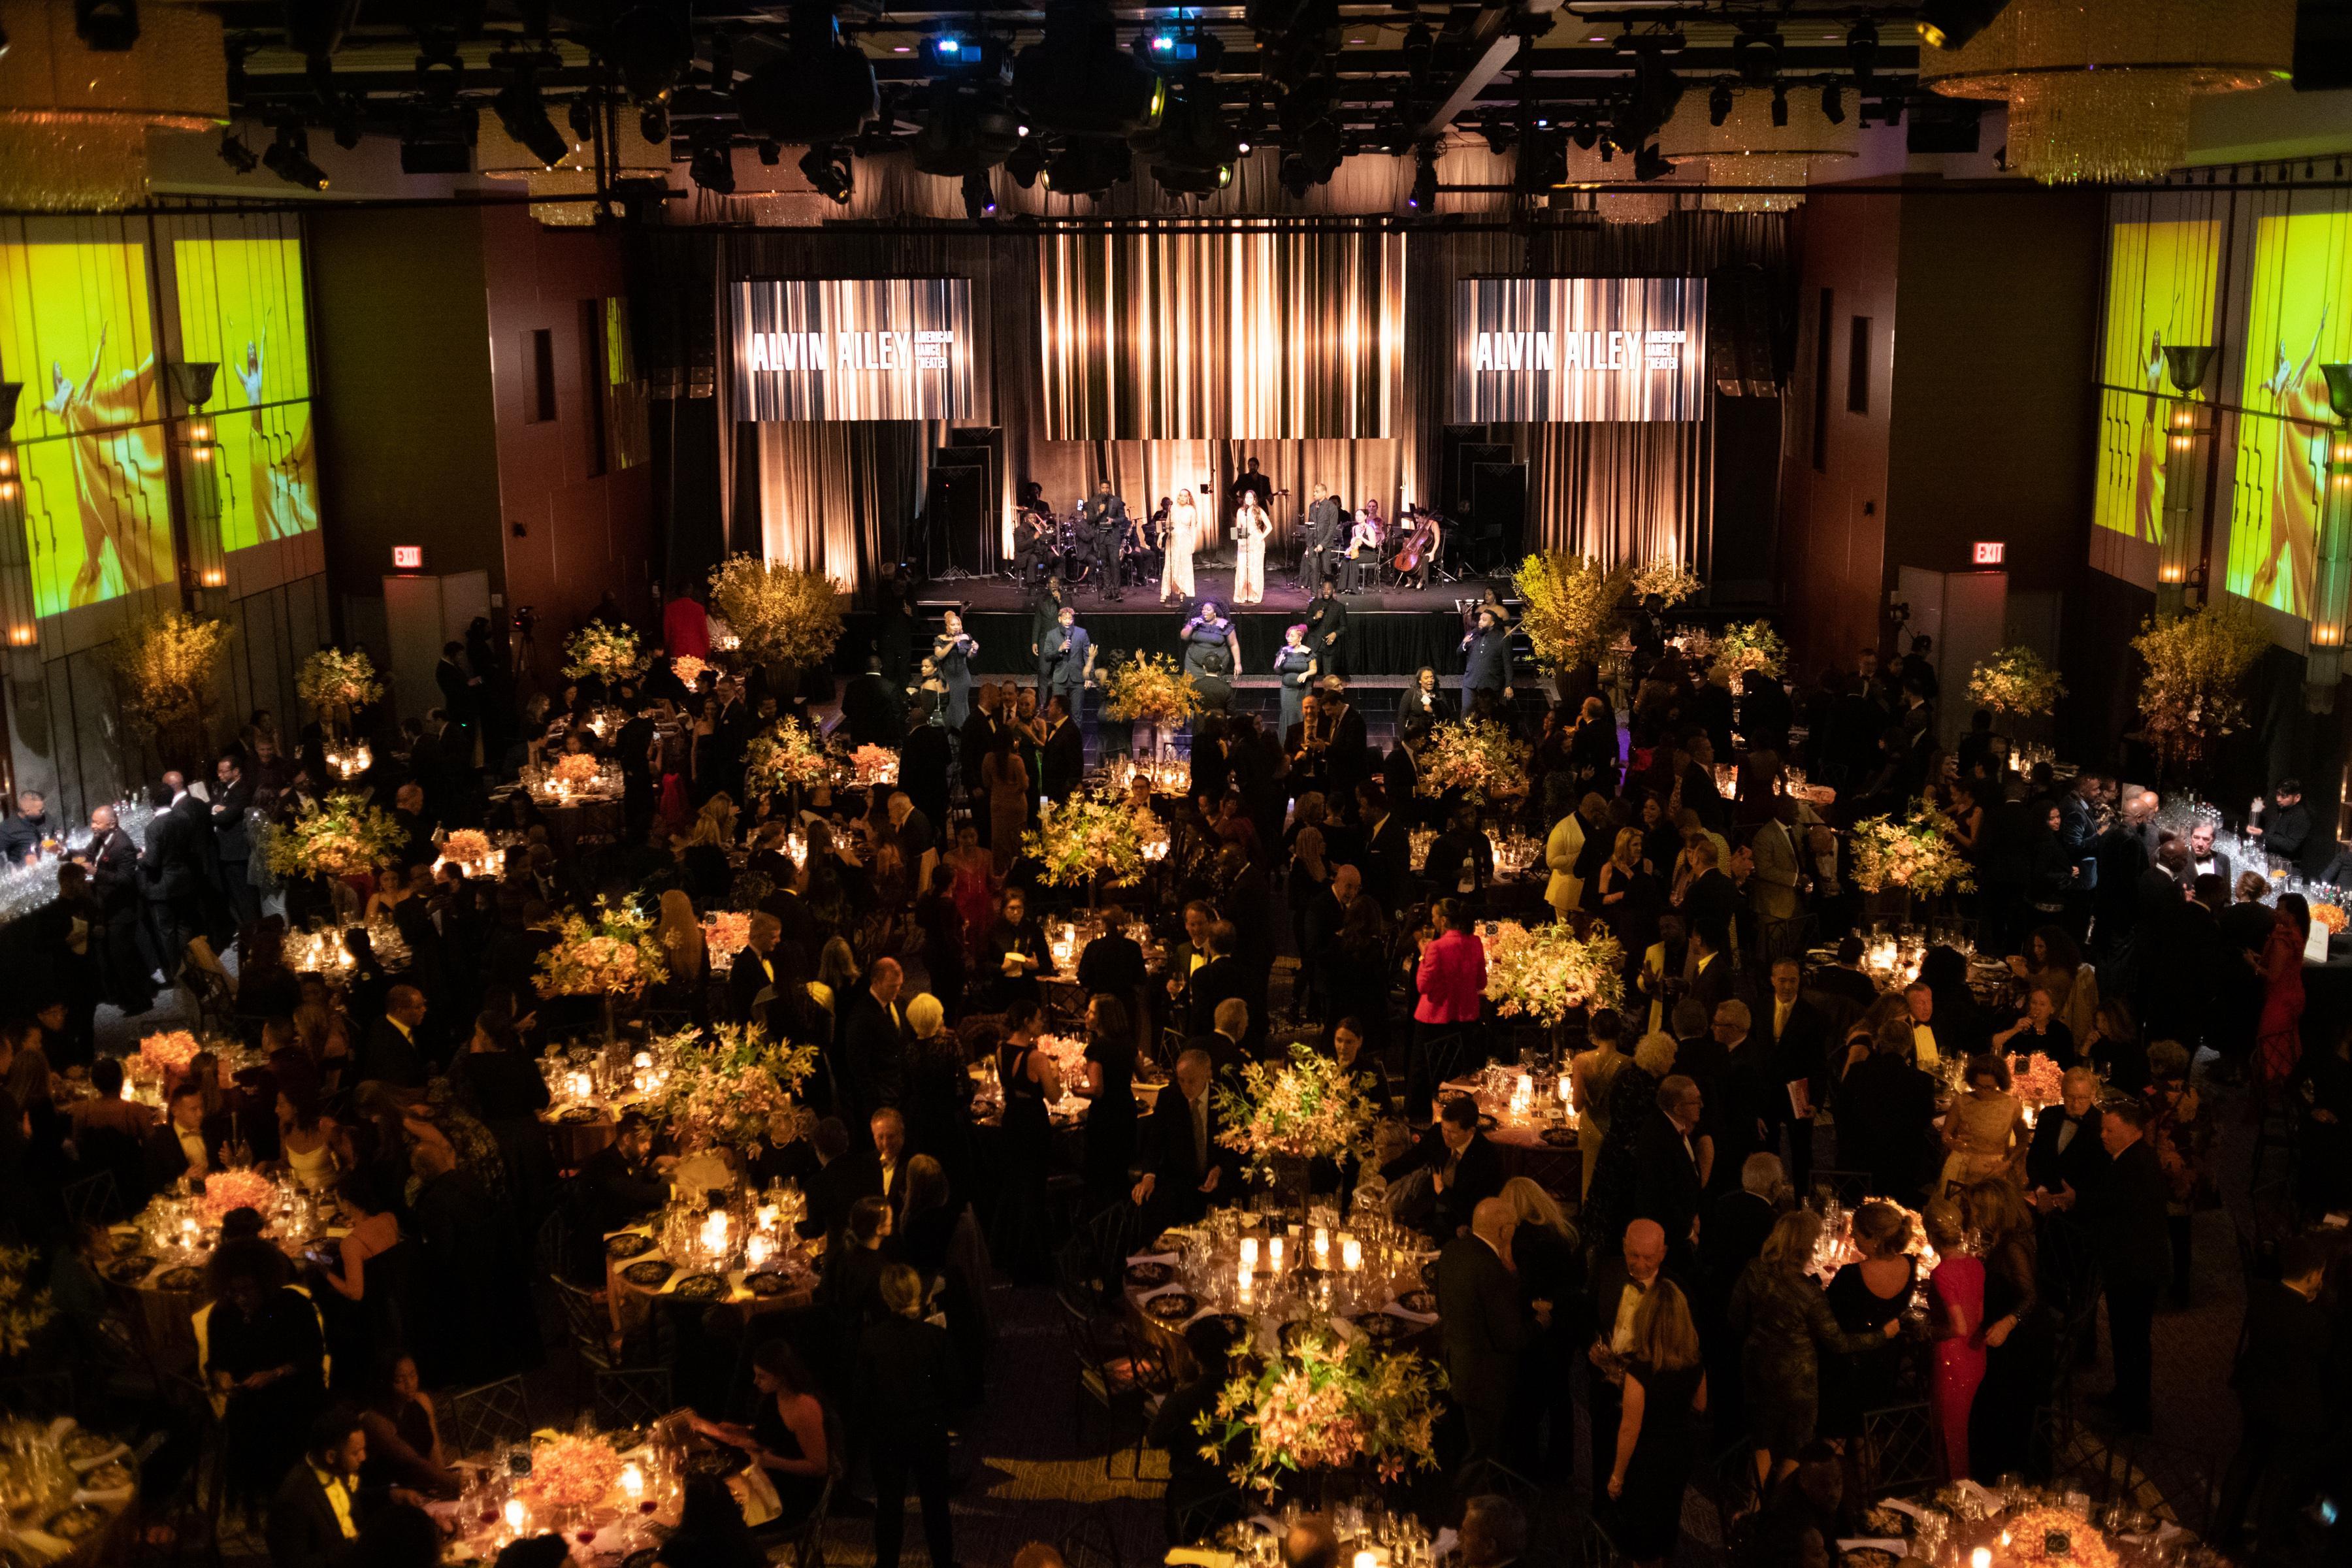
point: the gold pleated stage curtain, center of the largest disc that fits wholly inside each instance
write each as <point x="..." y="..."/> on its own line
<point x="1261" y="333"/>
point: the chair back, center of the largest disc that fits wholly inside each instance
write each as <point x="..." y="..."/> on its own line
<point x="632" y="1397"/>
<point x="483" y="1418"/>
<point x="92" y="1200"/>
<point x="1899" y="1449"/>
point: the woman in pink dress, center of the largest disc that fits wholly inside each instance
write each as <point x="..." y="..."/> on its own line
<point x="2278" y="1039"/>
<point x="973" y="888"/>
<point x="1956" y="1323"/>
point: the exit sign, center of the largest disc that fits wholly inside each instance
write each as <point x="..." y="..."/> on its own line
<point x="411" y="557"/>
<point x="1990" y="552"/>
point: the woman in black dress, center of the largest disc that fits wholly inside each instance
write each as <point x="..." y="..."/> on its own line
<point x="1015" y="953"/>
<point x="938" y="1098"/>
<point x="2017" y="1332"/>
<point x="263" y="1351"/>
<point x="1550" y="1268"/>
<point x="787" y="1436"/>
<point x="1666" y="1388"/>
<point x="1031" y="1082"/>
<point x="1110" y="1086"/>
<point x="1864" y="1296"/>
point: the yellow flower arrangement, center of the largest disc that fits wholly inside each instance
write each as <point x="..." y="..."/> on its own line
<point x="612" y="956"/>
<point x="2015" y="680"/>
<point x="343" y="837"/>
<point x="1311" y="1108"/>
<point x="2196" y="665"/>
<point x="1150" y="688"/>
<point x="777" y="613"/>
<point x="1092" y="834"/>
<point x="1569" y="605"/>
<point x="1915" y="857"/>
<point x="165" y="664"/>
<point x="733" y="1094"/>
<point x="787" y="754"/>
<point x="687" y="668"/>
<point x="333" y="681"/>
<point x="1665" y="578"/>
<point x="23" y="1311"/>
<point x="599" y="652"/>
<point x="1749" y="645"/>
<point x="1544" y="972"/>
<point x="1475" y="756"/>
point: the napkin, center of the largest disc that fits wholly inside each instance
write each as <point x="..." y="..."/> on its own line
<point x="1162" y="1291"/>
<point x="1442" y="1544"/>
<point x="1874" y="1544"/>
<point x="1199" y="1557"/>
<point x="1152" y="1257"/>
<point x="113" y="1496"/>
<point x="1899" y="1506"/>
<point x="1395" y="1310"/>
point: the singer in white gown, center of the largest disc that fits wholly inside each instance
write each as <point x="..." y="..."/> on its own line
<point x="1251" y="526"/>
<point x="1183" y="526"/>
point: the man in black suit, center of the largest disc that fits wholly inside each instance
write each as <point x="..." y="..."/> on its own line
<point x="1482" y="1326"/>
<point x="1844" y="979"/>
<point x="1327" y="627"/>
<point x="1386" y="858"/>
<point x="2290" y="1382"/>
<point x="1799" y="1034"/>
<point x="881" y="1172"/>
<point x="114" y="861"/>
<point x="169" y="877"/>
<point x="1619" y="1281"/>
<point x="871" y="709"/>
<point x="314" y="1517"/>
<point x="1112" y="964"/>
<point x="1322" y="536"/>
<point x="1667" y="1186"/>
<point x="2126" y="1215"/>
<point x="232" y="798"/>
<point x="834" y="1186"/>
<point x="1185" y="1169"/>
<point x="851" y="1288"/>
<point x="1465" y="1170"/>
<point x="872" y="1070"/>
<point x="187" y="1142"/>
<point x="1066" y="751"/>
<point x="1106" y="528"/>
<point x="1349" y="759"/>
<point x="923" y="766"/>
<point x="1747" y="1096"/>
<point x="755" y="970"/>
<point x="1214" y="984"/>
<point x="1712" y="979"/>
<point x="626" y="1180"/>
<point x="1222" y="1044"/>
<point x="392" y="1053"/>
<point x="2066" y="1150"/>
<point x="1729" y="1238"/>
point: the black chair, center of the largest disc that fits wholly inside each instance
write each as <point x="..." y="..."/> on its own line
<point x="1899" y="1449"/>
<point x="483" y="1418"/>
<point x="1850" y="1188"/>
<point x="1108" y="1384"/>
<point x="1732" y="1486"/>
<point x="632" y="1397"/>
<point x="39" y="1395"/>
<point x="2069" y="1454"/>
<point x="92" y="1200"/>
<point x="1599" y="1551"/>
<point x="1089" y="1543"/>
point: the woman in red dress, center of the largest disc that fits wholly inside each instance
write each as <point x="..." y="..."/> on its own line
<point x="2278" y="1043"/>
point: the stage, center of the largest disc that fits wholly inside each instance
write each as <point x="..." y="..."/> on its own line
<point x="1389" y="633"/>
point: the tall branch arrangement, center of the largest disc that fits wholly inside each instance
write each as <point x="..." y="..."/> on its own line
<point x="164" y="666"/>
<point x="783" y="613"/>
<point x="2197" y="668"/>
<point x="1570" y="605"/>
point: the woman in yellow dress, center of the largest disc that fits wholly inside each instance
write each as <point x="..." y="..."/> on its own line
<point x="1985" y="1133"/>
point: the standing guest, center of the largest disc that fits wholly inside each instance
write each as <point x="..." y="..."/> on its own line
<point x="1295" y="670"/>
<point x="2289" y="1382"/>
<point x="1799" y="1033"/>
<point x="232" y="798"/>
<point x="2066" y="1150"/>
<point x="871" y="1072"/>
<point x="1550" y="1267"/>
<point x="1185" y="1167"/>
<point x="903" y="1374"/>
<point x="262" y="1354"/>
<point x="1621" y="1282"/>
<point x="1656" y="1437"/>
<point x="1015" y="952"/>
<point x="1064" y="760"/>
<point x="2017" y="1359"/>
<point x="952" y="651"/>
<point x="1006" y="776"/>
<point x="1070" y="664"/>
<point x="1485" y="1331"/>
<point x="1984" y="1133"/>
<point x="2126" y="1218"/>
<point x="1785" y="1321"/>
<point x="1886" y="1112"/>
<point x="1251" y="527"/>
<point x="1486" y="660"/>
<point x="1110" y="1096"/>
<point x="2278" y="1038"/>
<point x="1844" y="979"/>
<point x="1669" y="1181"/>
<point x="1864" y="1296"/>
<point x="786" y="1436"/>
<point x="1327" y="624"/>
<point x="1452" y="981"/>
<point x="1184" y="537"/>
<point x="1592" y="1075"/>
<point x="1464" y="1167"/>
<point x="1616" y="1170"/>
<point x="1955" y="1301"/>
<point x="1731" y="1235"/>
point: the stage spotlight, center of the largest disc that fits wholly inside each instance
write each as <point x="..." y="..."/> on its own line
<point x="1834" y="104"/>
<point x="828" y="169"/>
<point x="1087" y="165"/>
<point x="1498" y="136"/>
<point x="289" y="158"/>
<point x="1294" y="177"/>
<point x="437" y="137"/>
<point x="1756" y="53"/>
<point x="652" y="49"/>
<point x="1077" y="80"/>
<point x="524" y="114"/>
<point x="343" y="120"/>
<point x="1542" y="161"/>
<point x="962" y="126"/>
<point x="1948" y="23"/>
<point x="1585" y="134"/>
<point x="237" y="154"/>
<point x="110" y="27"/>
<point x="1188" y="145"/>
<point x="1424" y="197"/>
<point x="1718" y="103"/>
<point x="822" y="89"/>
<point x="712" y="167"/>
<point x="1649" y="164"/>
<point x="1781" y="104"/>
<point x="1026" y="162"/>
<point x="1656" y="91"/>
<point x="979" y="201"/>
<point x="771" y="154"/>
<point x="1862" y="48"/>
<point x="581" y="115"/>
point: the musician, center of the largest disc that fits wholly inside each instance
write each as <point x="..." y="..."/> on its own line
<point x="1424" y="531"/>
<point x="1363" y="563"/>
<point x="1107" y="525"/>
<point x="1070" y="664"/>
<point x="1183" y="534"/>
<point x="1323" y="528"/>
<point x="1327" y="623"/>
<point x="1252" y="482"/>
<point x="952" y="652"/>
<point x="1486" y="659"/>
<point x="1251" y="527"/>
<point x="1029" y="535"/>
<point x="1150" y="534"/>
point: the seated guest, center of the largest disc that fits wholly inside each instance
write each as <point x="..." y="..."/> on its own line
<point x="1195" y="1478"/>
<point x="1185" y="1168"/>
<point x="710" y="1530"/>
<point x="2038" y="1033"/>
<point x="110" y="1133"/>
<point x="1222" y="1044"/>
<point x="190" y="1143"/>
<point x="492" y="1076"/>
<point x="626" y="1180"/>
<point x="832" y="1186"/>
<point x="1014" y="952"/>
<point x="391" y="1054"/>
<point x="405" y="1457"/>
<point x="313" y="1517"/>
<point x="1463" y="1169"/>
<point x="786" y="1436"/>
<point x="263" y="1351"/>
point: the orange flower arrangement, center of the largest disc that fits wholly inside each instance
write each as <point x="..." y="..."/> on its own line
<point x="171" y="1051"/>
<point x="227" y="1190"/>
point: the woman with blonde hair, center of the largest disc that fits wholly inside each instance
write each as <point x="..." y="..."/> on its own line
<point x="1666" y="1388"/>
<point x="1609" y="1197"/>
<point x="1784" y="1322"/>
<point x="1862" y="1296"/>
<point x="1184" y="537"/>
<point x="682" y="944"/>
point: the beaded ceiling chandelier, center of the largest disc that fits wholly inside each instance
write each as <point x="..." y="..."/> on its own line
<point x="74" y="121"/>
<point x="1750" y="148"/>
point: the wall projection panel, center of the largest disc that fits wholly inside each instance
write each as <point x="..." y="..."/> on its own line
<point x="881" y="347"/>
<point x="1544" y="350"/>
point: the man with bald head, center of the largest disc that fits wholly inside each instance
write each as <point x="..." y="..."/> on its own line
<point x="873" y="1069"/>
<point x="1484" y="1329"/>
<point x="1619" y="1284"/>
<point x="1184" y="1168"/>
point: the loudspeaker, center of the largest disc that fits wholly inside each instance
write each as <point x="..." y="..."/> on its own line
<point x="956" y="506"/>
<point x="1498" y="509"/>
<point x="1361" y="603"/>
<point x="1460" y="460"/>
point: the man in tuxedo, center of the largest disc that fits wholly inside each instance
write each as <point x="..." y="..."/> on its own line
<point x="1065" y="748"/>
<point x="1185" y="1170"/>
<point x="923" y="766"/>
<point x="232" y="798"/>
<point x="1322" y="536"/>
<point x="871" y="709"/>
<point x="754" y="969"/>
<point x="313" y="1516"/>
<point x="1667" y="1186"/>
<point x="1386" y="859"/>
<point x="114" y="861"/>
<point x="1482" y="1326"/>
<point x="2126" y="1217"/>
<point x="1070" y="665"/>
<point x="2068" y="1149"/>
<point x="834" y="1186"/>
<point x="1106" y="528"/>
<point x="1844" y="979"/>
<point x="881" y="1172"/>
<point x="1742" y="1089"/>
<point x="1619" y="1281"/>
<point x="872" y="1071"/>
<point x="1347" y="761"/>
<point x="188" y="1143"/>
<point x="1712" y="979"/>
<point x="2290" y="1384"/>
<point x="1218" y="981"/>
<point x="169" y="875"/>
<point x="626" y="1180"/>
<point x="1465" y="1170"/>
<point x="1799" y="1033"/>
<point x="2204" y="860"/>
<point x="393" y="1053"/>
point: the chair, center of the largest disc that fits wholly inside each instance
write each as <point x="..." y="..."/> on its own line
<point x="1106" y="1383"/>
<point x="1852" y="1188"/>
<point x="1898" y="1449"/>
<point x="1089" y="1543"/>
<point x="481" y="1419"/>
<point x="1195" y="1521"/>
<point x="1600" y="1552"/>
<point x="632" y="1397"/>
<point x="2071" y="1455"/>
<point x="91" y="1201"/>
<point x="1446" y="1056"/>
<point x="2171" y="1480"/>
<point x="1731" y="1485"/>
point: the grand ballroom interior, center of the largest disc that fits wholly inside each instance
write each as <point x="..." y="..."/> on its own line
<point x="1338" y="783"/>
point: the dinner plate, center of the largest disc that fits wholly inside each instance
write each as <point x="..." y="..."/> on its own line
<point x="186" y="1276"/>
<point x="83" y="1446"/>
<point x="700" y="1288"/>
<point x="651" y="1272"/>
<point x="1174" y="1307"/>
<point x="1148" y="1275"/>
<point x="131" y="1269"/>
<point x="1560" y="1137"/>
<point x="768" y="1284"/>
<point x="715" y="1459"/>
<point x="78" y="1523"/>
<point x="1235" y="1324"/>
<point x="579" y="1114"/>
<point x="628" y="1243"/>
<point x="1422" y="1301"/>
<point x="110" y="1476"/>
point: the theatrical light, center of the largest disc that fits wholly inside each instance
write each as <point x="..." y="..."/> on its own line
<point x="523" y="112"/>
<point x="1756" y="53"/>
<point x="979" y="201"/>
<point x="1087" y="165"/>
<point x="110" y="27"/>
<point x="1718" y="103"/>
<point x="1649" y="164"/>
<point x="771" y="154"/>
<point x="1834" y="104"/>
<point x="653" y="123"/>
<point x="1585" y="134"/>
<point x="713" y="167"/>
<point x="963" y="126"/>
<point x="1780" y="106"/>
<point x="822" y="88"/>
<point x="1948" y="23"/>
<point x="1656" y="91"/>
<point x="652" y="49"/>
<point x="1189" y="145"/>
<point x="1498" y="136"/>
<point x="237" y="154"/>
<point x="1026" y="162"/>
<point x="1244" y="149"/>
<point x="1077" y="80"/>
<point x="437" y="137"/>
<point x="827" y="170"/>
<point x="1862" y="48"/>
<point x="1423" y="198"/>
<point x="289" y="158"/>
<point x="582" y="116"/>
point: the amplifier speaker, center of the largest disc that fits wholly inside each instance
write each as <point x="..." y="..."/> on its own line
<point x="1359" y="602"/>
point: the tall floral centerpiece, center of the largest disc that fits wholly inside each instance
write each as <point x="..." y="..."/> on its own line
<point x="1283" y="1117"/>
<point x="2015" y="680"/>
<point x="165" y="665"/>
<point x="1569" y="605"/>
<point x="780" y="615"/>
<point x="1476" y="757"/>
<point x="599" y="652"/>
<point x="1909" y="859"/>
<point x="612" y="956"/>
<point x="2192" y="695"/>
<point x="1094" y="839"/>
<point x="1323" y="1408"/>
<point x="1547" y="973"/>
<point x="338" y="838"/>
<point x="1749" y="645"/>
<point x="1149" y="691"/>
<point x="787" y="757"/>
<point x="335" y="683"/>
<point x="1665" y="579"/>
<point x="734" y="1094"/>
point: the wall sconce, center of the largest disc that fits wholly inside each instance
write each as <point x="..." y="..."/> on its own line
<point x="2331" y="604"/>
<point x="2186" y="421"/>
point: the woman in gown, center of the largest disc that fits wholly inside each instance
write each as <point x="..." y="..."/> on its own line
<point x="1110" y="1093"/>
<point x="1006" y="778"/>
<point x="1213" y="650"/>
<point x="1956" y="1302"/>
<point x="1984" y="1133"/>
<point x="951" y="654"/>
<point x="2278" y="1039"/>
<point x="1294" y="666"/>
<point x="1656" y="1446"/>
<point x="1864" y="1296"/>
<point x="1251" y="526"/>
<point x="972" y="888"/>
<point x="1183" y="531"/>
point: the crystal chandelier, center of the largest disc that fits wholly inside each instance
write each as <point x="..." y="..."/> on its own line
<point x="74" y="121"/>
<point x="1764" y="140"/>
<point x="1616" y="195"/>
<point x="2100" y="89"/>
<point x="500" y="157"/>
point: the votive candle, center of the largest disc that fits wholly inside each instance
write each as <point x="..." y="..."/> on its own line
<point x="1351" y="1254"/>
<point x="633" y="1481"/>
<point x="1322" y="1247"/>
<point x="1274" y="1253"/>
<point x="1249" y="1253"/>
<point x="1981" y="1558"/>
<point x="516" y="1514"/>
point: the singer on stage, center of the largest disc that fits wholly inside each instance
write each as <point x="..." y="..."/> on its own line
<point x="1107" y="528"/>
<point x="1212" y="648"/>
<point x="1070" y="663"/>
<point x="952" y="652"/>
<point x="1322" y="536"/>
<point x="1251" y="526"/>
<point x="1184" y="533"/>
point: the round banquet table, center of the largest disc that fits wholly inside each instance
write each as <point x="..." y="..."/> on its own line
<point x="576" y="1138"/>
<point x="1549" y="1156"/>
<point x="160" y="1291"/>
<point x="633" y="1300"/>
<point x="610" y="1532"/>
<point x="83" y="1521"/>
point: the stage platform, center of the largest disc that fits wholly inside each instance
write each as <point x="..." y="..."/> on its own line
<point x="1389" y="635"/>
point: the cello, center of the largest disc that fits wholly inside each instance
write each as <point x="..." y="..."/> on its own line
<point x="1417" y="545"/>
